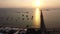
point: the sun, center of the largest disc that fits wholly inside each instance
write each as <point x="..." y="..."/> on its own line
<point x="36" y="3"/>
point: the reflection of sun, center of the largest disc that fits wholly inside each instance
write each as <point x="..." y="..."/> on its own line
<point x="37" y="18"/>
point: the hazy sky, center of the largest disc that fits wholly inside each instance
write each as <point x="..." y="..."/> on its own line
<point x="29" y="3"/>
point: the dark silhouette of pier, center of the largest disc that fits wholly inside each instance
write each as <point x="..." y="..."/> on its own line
<point x="42" y="29"/>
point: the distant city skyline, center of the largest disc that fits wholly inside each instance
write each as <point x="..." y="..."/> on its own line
<point x="29" y="3"/>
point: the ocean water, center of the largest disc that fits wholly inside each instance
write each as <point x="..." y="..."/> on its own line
<point x="16" y="17"/>
<point x="52" y="18"/>
<point x="21" y="17"/>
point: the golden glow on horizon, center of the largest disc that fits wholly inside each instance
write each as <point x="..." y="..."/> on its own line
<point x="37" y="18"/>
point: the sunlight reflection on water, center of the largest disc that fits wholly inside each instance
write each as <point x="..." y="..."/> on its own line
<point x="36" y="20"/>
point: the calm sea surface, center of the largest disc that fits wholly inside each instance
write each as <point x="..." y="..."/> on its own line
<point x="22" y="17"/>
